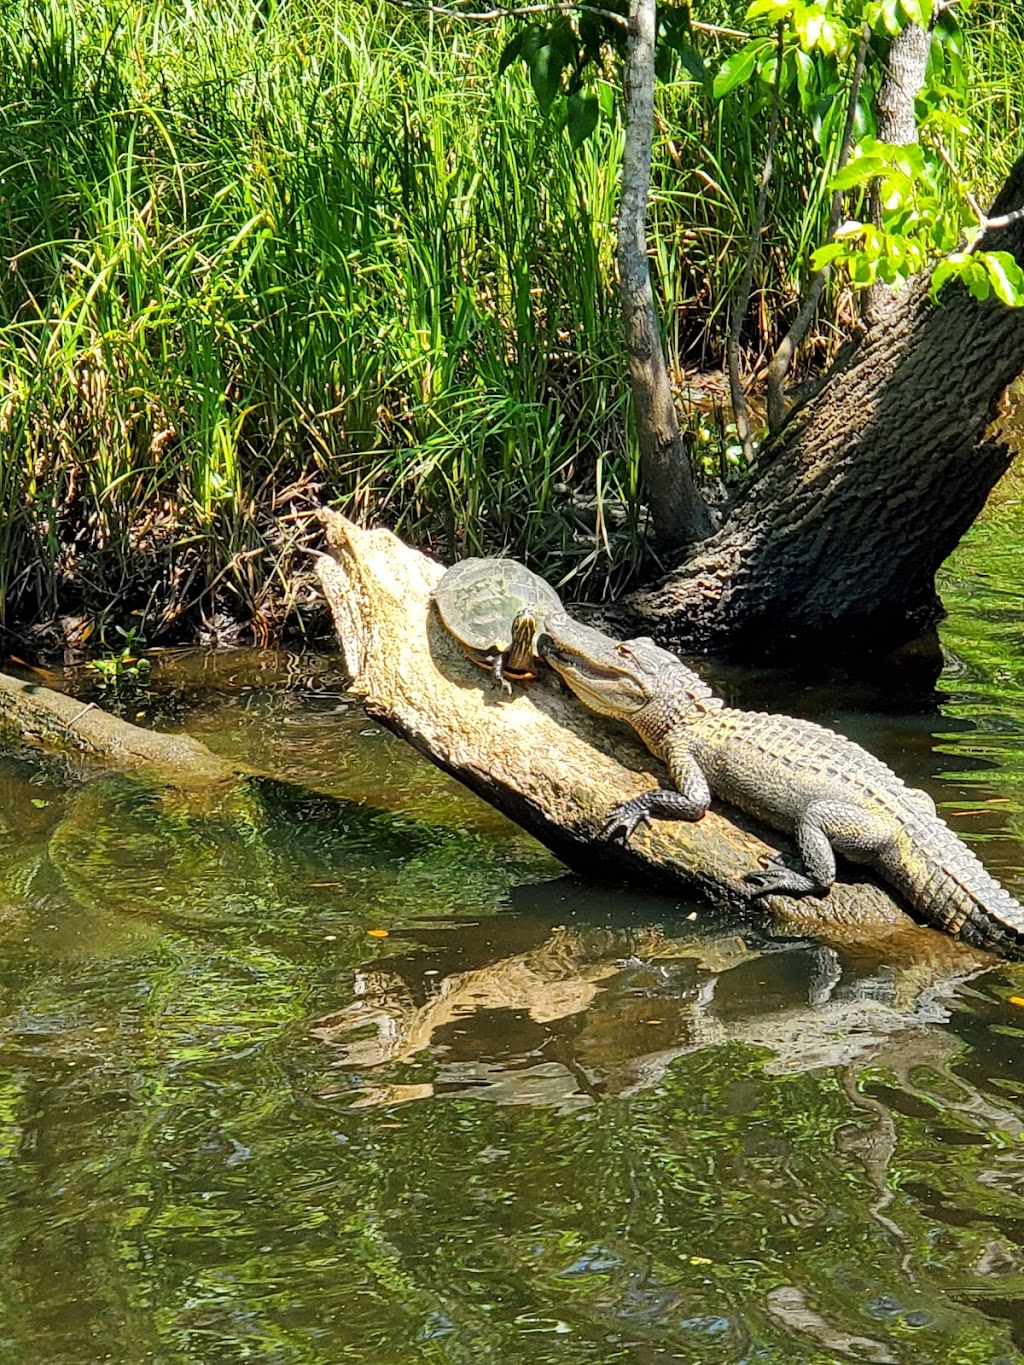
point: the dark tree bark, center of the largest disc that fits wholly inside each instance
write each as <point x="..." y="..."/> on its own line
<point x="869" y="486"/>
<point x="677" y="508"/>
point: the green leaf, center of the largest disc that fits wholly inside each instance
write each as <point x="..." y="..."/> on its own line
<point x="564" y="40"/>
<point x="872" y="245"/>
<point x="582" y="113"/>
<point x="823" y="118"/>
<point x="664" y="62"/>
<point x="857" y="172"/>
<point x="693" y="62"/>
<point x="546" y="74"/>
<point x="807" y="22"/>
<point x="826" y="254"/>
<point x="890" y="18"/>
<point x="848" y="231"/>
<point x="1006" y="277"/>
<point x="592" y="37"/>
<point x="738" y="68"/>
<point x="512" y="50"/>
<point x="774" y="9"/>
<point x="834" y="35"/>
<point x="950" y="268"/>
<point x="917" y="11"/>
<point x="534" y="38"/>
<point x="804" y="70"/>
<point x="895" y="189"/>
<point x="863" y="119"/>
<point x="977" y="281"/>
<point x="907" y="157"/>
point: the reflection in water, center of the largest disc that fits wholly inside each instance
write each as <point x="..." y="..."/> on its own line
<point x="350" y="1070"/>
<point x="594" y="1012"/>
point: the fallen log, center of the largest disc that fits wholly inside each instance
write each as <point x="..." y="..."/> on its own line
<point x="36" y="714"/>
<point x="541" y="758"/>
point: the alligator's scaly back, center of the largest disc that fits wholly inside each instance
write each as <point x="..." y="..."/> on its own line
<point x="825" y="790"/>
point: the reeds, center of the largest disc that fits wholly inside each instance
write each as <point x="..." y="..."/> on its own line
<point x="265" y="254"/>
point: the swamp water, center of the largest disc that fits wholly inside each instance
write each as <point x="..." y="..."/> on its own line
<point x="352" y="1071"/>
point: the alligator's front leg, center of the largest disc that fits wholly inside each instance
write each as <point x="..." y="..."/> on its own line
<point x="825" y="829"/>
<point x="689" y="801"/>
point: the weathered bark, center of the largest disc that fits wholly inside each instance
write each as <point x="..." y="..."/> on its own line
<point x="870" y="486"/>
<point x="677" y="508"/>
<point x="552" y="766"/>
<point x="904" y="77"/>
<point x="896" y="118"/>
<point x="36" y="714"/>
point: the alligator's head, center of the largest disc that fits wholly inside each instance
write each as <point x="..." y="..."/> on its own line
<point x="616" y="677"/>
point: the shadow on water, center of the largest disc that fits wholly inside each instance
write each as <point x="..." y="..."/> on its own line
<point x="352" y="1070"/>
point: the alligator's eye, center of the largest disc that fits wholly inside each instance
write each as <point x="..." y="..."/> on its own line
<point x="625" y="651"/>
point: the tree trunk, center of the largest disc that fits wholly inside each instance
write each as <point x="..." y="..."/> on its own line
<point x="677" y="508"/>
<point x="904" y="77"/>
<point x="869" y="486"/>
<point x="897" y="118"/>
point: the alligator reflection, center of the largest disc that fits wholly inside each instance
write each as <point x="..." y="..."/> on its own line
<point x="607" y="1011"/>
<point x="588" y="1011"/>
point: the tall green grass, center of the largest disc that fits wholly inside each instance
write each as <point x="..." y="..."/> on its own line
<point x="259" y="255"/>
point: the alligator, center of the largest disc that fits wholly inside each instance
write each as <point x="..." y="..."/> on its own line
<point x="828" y="793"/>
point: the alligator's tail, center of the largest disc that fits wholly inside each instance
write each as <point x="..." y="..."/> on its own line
<point x="952" y="890"/>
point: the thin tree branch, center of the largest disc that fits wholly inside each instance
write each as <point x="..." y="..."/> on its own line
<point x="519" y="12"/>
<point x="778" y="368"/>
<point x="739" y="308"/>
<point x="985" y="223"/>
<point x="976" y="209"/>
<point x="553" y="7"/>
<point x="1004" y="219"/>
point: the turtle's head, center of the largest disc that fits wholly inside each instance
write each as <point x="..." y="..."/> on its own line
<point x="519" y="657"/>
<point x="615" y="677"/>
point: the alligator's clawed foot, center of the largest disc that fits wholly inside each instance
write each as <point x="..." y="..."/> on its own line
<point x="782" y="881"/>
<point x="624" y="821"/>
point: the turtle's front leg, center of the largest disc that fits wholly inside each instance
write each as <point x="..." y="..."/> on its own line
<point x="498" y="674"/>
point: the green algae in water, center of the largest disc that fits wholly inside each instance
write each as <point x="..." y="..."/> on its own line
<point x="531" y="1120"/>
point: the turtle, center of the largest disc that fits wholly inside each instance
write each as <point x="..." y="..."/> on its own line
<point x="496" y="608"/>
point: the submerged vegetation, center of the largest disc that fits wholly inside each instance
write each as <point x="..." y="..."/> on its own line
<point x="262" y="256"/>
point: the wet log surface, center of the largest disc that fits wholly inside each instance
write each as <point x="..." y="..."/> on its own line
<point x="35" y="714"/>
<point x="542" y="758"/>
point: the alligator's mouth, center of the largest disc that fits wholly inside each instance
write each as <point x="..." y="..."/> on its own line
<point x="606" y="688"/>
<point x="581" y="668"/>
<point x="585" y="665"/>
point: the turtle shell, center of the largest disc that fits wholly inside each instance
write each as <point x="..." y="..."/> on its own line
<point x="480" y="598"/>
